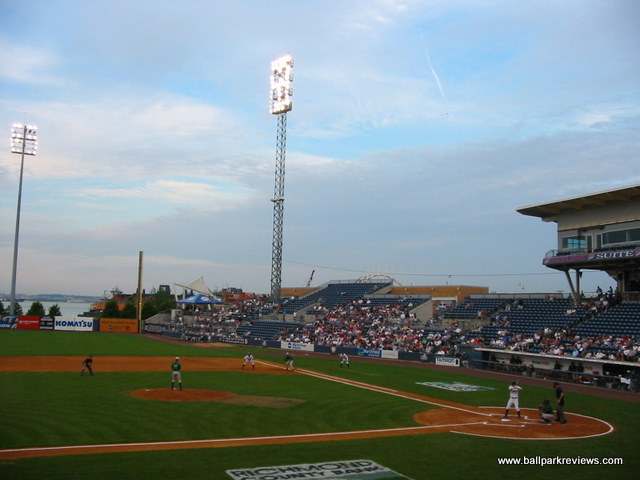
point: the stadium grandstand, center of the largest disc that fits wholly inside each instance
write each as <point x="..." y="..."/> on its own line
<point x="590" y="339"/>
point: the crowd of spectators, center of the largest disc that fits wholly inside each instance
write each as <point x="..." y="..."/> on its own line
<point x="200" y="324"/>
<point x="562" y="341"/>
<point x="361" y="324"/>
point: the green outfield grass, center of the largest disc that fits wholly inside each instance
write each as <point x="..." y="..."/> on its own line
<point x="60" y="408"/>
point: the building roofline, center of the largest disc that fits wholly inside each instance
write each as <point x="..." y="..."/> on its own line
<point x="550" y="210"/>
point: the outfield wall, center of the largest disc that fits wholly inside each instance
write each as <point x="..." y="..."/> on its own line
<point x="70" y="324"/>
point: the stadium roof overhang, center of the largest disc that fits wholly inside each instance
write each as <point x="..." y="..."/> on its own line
<point x="549" y="212"/>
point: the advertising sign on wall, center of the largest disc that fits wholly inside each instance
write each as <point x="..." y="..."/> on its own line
<point x="119" y="325"/>
<point x="7" y="322"/>
<point x="369" y="352"/>
<point x="306" y="347"/>
<point x="28" y="322"/>
<point x="76" y="324"/>
<point x="393" y="354"/>
<point x="448" y="361"/>
<point x="46" y="323"/>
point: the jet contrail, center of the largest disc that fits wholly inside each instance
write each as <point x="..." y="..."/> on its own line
<point x="433" y="70"/>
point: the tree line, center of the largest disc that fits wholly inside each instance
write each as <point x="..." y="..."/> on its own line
<point x="36" y="310"/>
<point x="152" y="305"/>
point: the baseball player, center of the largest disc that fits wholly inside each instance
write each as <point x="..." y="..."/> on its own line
<point x="176" y="376"/>
<point x="87" y="364"/>
<point x="248" y="359"/>
<point x="288" y="362"/>
<point x="514" y="398"/>
<point x="344" y="360"/>
<point x="546" y="412"/>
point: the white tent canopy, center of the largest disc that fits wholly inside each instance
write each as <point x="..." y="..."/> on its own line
<point x="200" y="299"/>
<point x="197" y="285"/>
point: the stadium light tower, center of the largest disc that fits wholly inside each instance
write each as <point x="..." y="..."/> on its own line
<point x="281" y="92"/>
<point x="24" y="140"/>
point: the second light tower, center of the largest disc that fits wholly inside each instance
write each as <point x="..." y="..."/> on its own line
<point x="281" y="92"/>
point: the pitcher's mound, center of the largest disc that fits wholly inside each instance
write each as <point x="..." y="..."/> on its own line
<point x="185" y="395"/>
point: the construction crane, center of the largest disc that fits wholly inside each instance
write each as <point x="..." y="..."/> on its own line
<point x="310" y="278"/>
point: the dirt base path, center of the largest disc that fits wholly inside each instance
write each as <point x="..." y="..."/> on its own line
<point x="446" y="417"/>
<point x="130" y="364"/>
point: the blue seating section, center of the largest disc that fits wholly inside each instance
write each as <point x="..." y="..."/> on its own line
<point x="623" y="320"/>
<point x="265" y="330"/>
<point x="537" y="314"/>
<point x="334" y="294"/>
<point x="403" y="301"/>
<point x="528" y="316"/>
<point x="470" y="307"/>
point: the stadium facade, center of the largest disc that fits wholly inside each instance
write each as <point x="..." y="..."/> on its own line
<point x="600" y="231"/>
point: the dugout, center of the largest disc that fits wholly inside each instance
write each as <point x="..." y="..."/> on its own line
<point x="599" y="231"/>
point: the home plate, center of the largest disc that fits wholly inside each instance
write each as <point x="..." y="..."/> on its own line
<point x="506" y="420"/>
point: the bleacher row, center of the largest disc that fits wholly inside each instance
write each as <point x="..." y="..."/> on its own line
<point x="334" y="294"/>
<point x="472" y="308"/>
<point x="515" y="316"/>
<point x="265" y="330"/>
<point x="621" y="320"/>
<point x="534" y="315"/>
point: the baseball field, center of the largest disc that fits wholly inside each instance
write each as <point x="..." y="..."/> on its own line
<point x="370" y="421"/>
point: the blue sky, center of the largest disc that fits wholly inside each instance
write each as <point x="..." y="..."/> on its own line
<point x="418" y="128"/>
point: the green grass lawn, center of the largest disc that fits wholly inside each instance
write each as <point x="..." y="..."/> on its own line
<point x="63" y="408"/>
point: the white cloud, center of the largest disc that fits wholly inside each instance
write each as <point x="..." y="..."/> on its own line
<point x="199" y="194"/>
<point x="26" y="64"/>
<point x="130" y="137"/>
<point x="180" y="117"/>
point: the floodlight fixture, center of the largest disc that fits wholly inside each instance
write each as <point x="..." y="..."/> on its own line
<point x="281" y="81"/>
<point x="24" y="141"/>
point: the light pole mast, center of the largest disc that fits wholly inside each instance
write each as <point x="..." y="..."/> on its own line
<point x="24" y="141"/>
<point x="281" y="92"/>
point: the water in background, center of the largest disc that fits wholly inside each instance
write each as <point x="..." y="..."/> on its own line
<point x="68" y="309"/>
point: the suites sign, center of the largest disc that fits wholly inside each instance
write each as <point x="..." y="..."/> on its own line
<point x="594" y="257"/>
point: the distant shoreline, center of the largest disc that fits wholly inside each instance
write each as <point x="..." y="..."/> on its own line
<point x="72" y="308"/>
<point x="52" y="297"/>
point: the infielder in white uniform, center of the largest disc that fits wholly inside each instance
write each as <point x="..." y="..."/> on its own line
<point x="514" y="398"/>
<point x="344" y="360"/>
<point x="248" y="359"/>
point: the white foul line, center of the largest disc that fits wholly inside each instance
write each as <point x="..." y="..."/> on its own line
<point x="375" y="388"/>
<point x="227" y="440"/>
